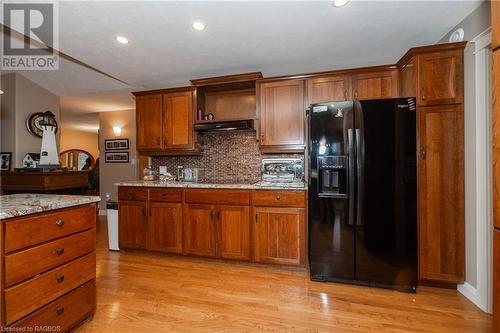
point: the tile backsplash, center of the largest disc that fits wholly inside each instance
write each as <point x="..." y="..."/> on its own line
<point x="227" y="158"/>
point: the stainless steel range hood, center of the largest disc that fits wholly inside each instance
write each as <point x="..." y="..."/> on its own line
<point x="226" y="126"/>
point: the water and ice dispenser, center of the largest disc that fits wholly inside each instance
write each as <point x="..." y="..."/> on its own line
<point x="333" y="175"/>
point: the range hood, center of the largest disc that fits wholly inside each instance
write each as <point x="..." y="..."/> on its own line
<point x="225" y="126"/>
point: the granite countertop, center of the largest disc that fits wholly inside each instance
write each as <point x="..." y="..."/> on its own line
<point x="14" y="205"/>
<point x="256" y="186"/>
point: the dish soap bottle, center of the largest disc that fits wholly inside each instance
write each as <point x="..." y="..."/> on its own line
<point x="148" y="174"/>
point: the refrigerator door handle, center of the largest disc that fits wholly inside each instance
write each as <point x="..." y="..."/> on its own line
<point x="360" y="173"/>
<point x="351" y="175"/>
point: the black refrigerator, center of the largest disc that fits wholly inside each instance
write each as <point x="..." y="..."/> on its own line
<point x="363" y="192"/>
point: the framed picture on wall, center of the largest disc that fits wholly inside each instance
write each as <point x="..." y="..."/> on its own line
<point x="116" y="157"/>
<point x="116" y="144"/>
<point x="5" y="161"/>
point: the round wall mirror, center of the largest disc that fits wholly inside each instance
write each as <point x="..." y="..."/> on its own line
<point x="77" y="160"/>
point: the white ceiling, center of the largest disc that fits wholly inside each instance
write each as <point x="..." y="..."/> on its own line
<point x="276" y="38"/>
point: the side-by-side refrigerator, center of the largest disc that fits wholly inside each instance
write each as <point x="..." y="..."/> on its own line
<point x="363" y="192"/>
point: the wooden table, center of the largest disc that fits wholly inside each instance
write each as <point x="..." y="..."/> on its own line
<point x="44" y="182"/>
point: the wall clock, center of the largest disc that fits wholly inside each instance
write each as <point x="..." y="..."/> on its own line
<point x="33" y="124"/>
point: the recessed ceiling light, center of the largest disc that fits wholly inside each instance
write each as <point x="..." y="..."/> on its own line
<point x="339" y="3"/>
<point x="121" y="40"/>
<point x="198" y="26"/>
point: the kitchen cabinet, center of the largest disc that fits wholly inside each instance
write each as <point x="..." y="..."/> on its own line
<point x="165" y="227"/>
<point x="199" y="230"/>
<point x="282" y="115"/>
<point x="133" y="224"/>
<point x="329" y="88"/>
<point x="233" y="232"/>
<point x="441" y="193"/>
<point x="279" y="235"/>
<point x="149" y="122"/>
<point x="375" y="85"/>
<point x="408" y="79"/>
<point x="164" y="121"/>
<point x="496" y="136"/>
<point x="441" y="78"/>
<point x="496" y="280"/>
<point x="495" y="24"/>
<point x="178" y="120"/>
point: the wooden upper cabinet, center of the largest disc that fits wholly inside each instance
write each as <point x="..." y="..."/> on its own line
<point x="165" y="227"/>
<point x="178" y="114"/>
<point x="133" y="225"/>
<point x="375" y="85"/>
<point x="279" y="235"/>
<point x="282" y="115"/>
<point x="441" y="78"/>
<point x="149" y="122"/>
<point x="408" y="76"/>
<point x="495" y="24"/>
<point x="329" y="88"/>
<point x="441" y="194"/>
<point x="233" y="232"/>
<point x="199" y="230"/>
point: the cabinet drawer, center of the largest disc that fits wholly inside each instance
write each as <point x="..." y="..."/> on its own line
<point x="24" y="232"/>
<point x="64" y="313"/>
<point x="218" y="196"/>
<point x="31" y="295"/>
<point x="165" y="195"/>
<point x="132" y="193"/>
<point x="279" y="198"/>
<point x="24" y="264"/>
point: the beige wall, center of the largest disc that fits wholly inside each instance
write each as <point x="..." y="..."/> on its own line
<point x="111" y="173"/>
<point x="74" y="139"/>
<point x="22" y="98"/>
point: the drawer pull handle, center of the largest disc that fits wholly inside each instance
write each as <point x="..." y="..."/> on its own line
<point x="60" y="310"/>
<point x="60" y="222"/>
<point x="60" y="278"/>
<point x="59" y="251"/>
<point x="278" y="197"/>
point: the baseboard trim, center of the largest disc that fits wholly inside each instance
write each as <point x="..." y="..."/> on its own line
<point x="471" y="293"/>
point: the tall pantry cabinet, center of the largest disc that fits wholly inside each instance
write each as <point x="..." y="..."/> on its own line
<point x="495" y="43"/>
<point x="434" y="74"/>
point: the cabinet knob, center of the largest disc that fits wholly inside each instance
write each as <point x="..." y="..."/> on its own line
<point x="60" y="310"/>
<point x="60" y="222"/>
<point x="59" y="251"/>
<point x="60" y="278"/>
<point x="423" y="94"/>
<point x="278" y="197"/>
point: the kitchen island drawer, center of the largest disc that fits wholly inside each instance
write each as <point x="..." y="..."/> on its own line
<point x="27" y="263"/>
<point x="63" y="313"/>
<point x="132" y="193"/>
<point x="281" y="198"/>
<point x="28" y="296"/>
<point x="28" y="231"/>
<point x="218" y="196"/>
<point x="165" y="194"/>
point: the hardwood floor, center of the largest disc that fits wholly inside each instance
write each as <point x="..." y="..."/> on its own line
<point x="147" y="292"/>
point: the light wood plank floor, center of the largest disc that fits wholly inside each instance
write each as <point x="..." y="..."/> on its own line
<point x="140" y="292"/>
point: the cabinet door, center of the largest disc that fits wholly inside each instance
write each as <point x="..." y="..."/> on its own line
<point x="149" y="122"/>
<point x="496" y="280"/>
<point x="408" y="79"/>
<point x="133" y="224"/>
<point x="380" y="84"/>
<point x="279" y="235"/>
<point x="496" y="136"/>
<point x="165" y="227"/>
<point x="441" y="78"/>
<point x="441" y="194"/>
<point x="282" y="115"/>
<point x="178" y="120"/>
<point x="199" y="230"/>
<point x="233" y="232"/>
<point x="331" y="88"/>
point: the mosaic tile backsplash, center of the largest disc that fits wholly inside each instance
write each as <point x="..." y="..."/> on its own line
<point x="227" y="158"/>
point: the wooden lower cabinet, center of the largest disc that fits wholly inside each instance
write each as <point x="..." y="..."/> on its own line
<point x="233" y="241"/>
<point x="165" y="227"/>
<point x="441" y="194"/>
<point x="133" y="224"/>
<point x="199" y="230"/>
<point x="279" y="235"/>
